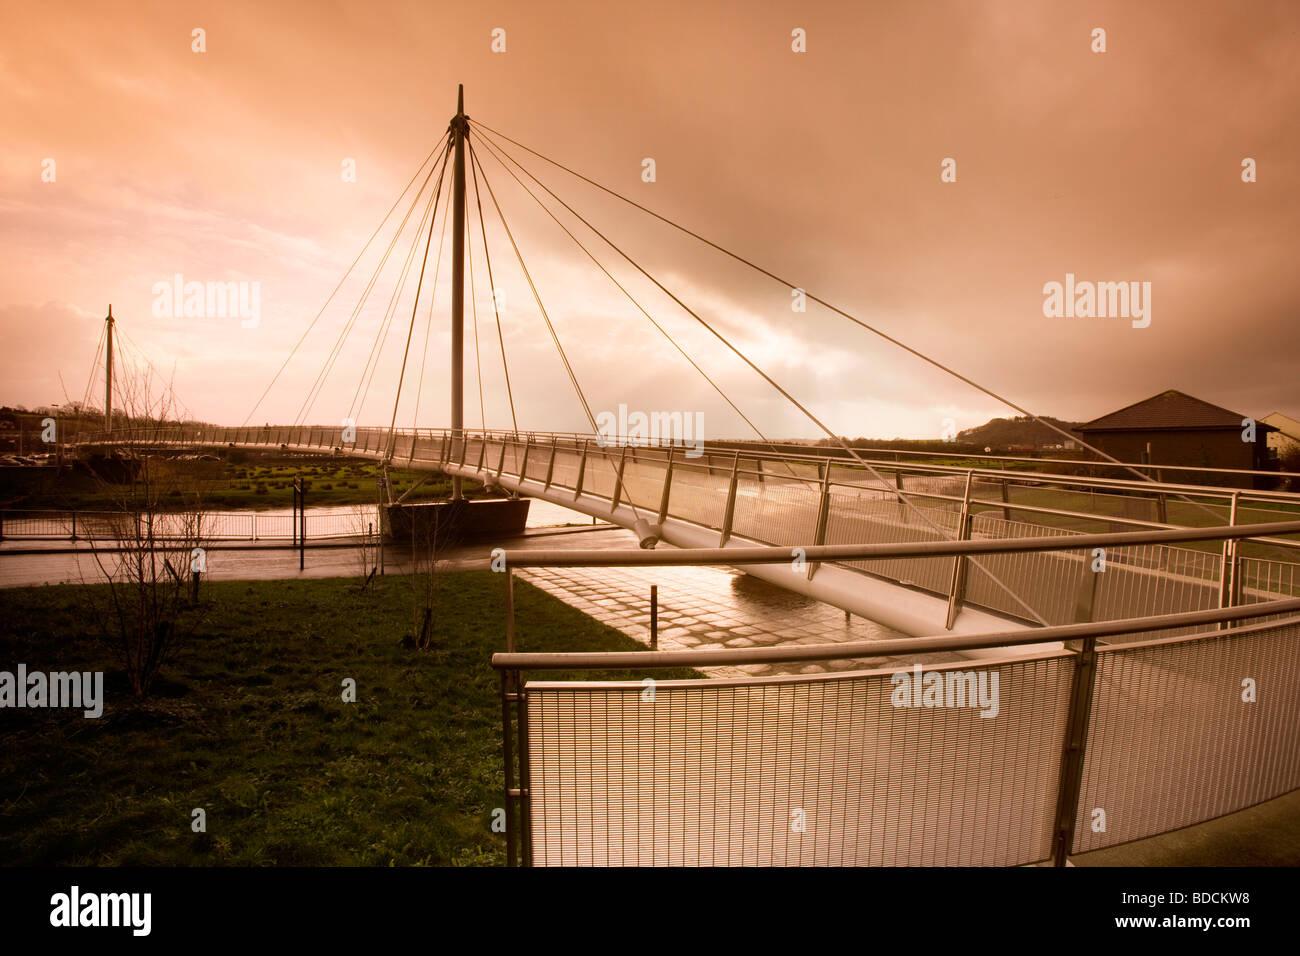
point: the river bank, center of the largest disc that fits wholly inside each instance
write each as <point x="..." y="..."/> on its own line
<point x="241" y="481"/>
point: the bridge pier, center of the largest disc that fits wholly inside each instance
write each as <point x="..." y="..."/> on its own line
<point x="439" y="523"/>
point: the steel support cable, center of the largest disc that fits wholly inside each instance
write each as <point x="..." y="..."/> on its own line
<point x="94" y="364"/>
<point x="312" y="325"/>
<point x="346" y="332"/>
<point x="536" y="297"/>
<point x="492" y="289"/>
<point x="365" y="294"/>
<point x="666" y="334"/>
<point x="822" y="302"/>
<point x="473" y="305"/>
<point x="428" y="322"/>
<point x="386" y="326"/>
<point x="126" y="342"/>
<point x="328" y="367"/>
<point x="415" y="310"/>
<point x="902" y="499"/>
<point x="551" y="328"/>
<point x="372" y="361"/>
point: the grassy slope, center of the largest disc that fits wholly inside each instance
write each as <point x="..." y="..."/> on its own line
<point x="251" y="726"/>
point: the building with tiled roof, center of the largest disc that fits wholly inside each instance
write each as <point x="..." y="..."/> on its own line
<point x="1174" y="428"/>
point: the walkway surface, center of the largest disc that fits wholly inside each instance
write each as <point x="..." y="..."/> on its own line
<point x="714" y="608"/>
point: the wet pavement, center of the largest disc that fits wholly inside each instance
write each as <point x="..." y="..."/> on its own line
<point x="710" y="608"/>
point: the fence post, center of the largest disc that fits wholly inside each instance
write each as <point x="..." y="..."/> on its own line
<point x="510" y="610"/>
<point x="654" y="617"/>
<point x="74" y="524"/>
<point x="902" y="504"/>
<point x="523" y="465"/>
<point x="1006" y="497"/>
<point x="582" y="470"/>
<point x="959" y="561"/>
<point x="1085" y="599"/>
<point x="1076" y="740"/>
<point x="302" y="523"/>
<point x="508" y="680"/>
<point x="668" y="483"/>
<point x="1228" y="566"/>
<point x="730" y="513"/>
<point x="618" y="480"/>
<point x="550" y="467"/>
<point x="823" y="513"/>
<point x="525" y="791"/>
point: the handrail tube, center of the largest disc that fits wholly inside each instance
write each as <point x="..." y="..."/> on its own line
<point x="849" y="552"/>
<point x="636" y="660"/>
<point x="993" y="473"/>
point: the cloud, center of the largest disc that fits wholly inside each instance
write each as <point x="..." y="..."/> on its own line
<point x="821" y="167"/>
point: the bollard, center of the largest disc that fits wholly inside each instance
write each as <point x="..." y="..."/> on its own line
<point x="654" y="617"/>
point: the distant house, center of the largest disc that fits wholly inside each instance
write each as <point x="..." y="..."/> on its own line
<point x="1287" y="436"/>
<point x="1173" y="428"/>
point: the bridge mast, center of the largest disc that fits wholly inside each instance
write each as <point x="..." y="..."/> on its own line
<point x="460" y="130"/>
<point x="108" y="372"/>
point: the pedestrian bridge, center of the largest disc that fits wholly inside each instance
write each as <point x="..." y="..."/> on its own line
<point x="1186" y="710"/>
<point x="748" y="497"/>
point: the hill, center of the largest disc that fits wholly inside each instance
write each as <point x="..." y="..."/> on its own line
<point x="1022" y="430"/>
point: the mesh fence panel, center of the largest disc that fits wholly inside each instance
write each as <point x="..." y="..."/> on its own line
<point x="1263" y="580"/>
<point x="539" y="459"/>
<point x="566" y="468"/>
<point x="1171" y="741"/>
<point x="1048" y="581"/>
<point x="721" y="772"/>
<point x="643" y="482"/>
<point x="776" y="511"/>
<point x="430" y="449"/>
<point x="698" y="494"/>
<point x="601" y="473"/>
<point x="877" y="517"/>
<point x="1143" y="580"/>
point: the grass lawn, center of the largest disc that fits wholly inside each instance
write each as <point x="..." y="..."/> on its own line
<point x="248" y="722"/>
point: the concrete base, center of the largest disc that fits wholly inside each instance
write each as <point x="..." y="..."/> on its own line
<point x="445" y="522"/>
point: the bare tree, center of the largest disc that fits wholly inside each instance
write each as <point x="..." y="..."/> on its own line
<point x="155" y="530"/>
<point x="367" y="532"/>
<point x="425" y="535"/>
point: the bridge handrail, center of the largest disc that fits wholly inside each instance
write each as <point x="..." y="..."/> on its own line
<point x="584" y="728"/>
<point x="517" y="558"/>
<point x="850" y="650"/>
<point x="994" y="474"/>
<point x="756" y="452"/>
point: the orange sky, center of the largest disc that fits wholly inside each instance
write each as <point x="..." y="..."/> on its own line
<point x="823" y="166"/>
